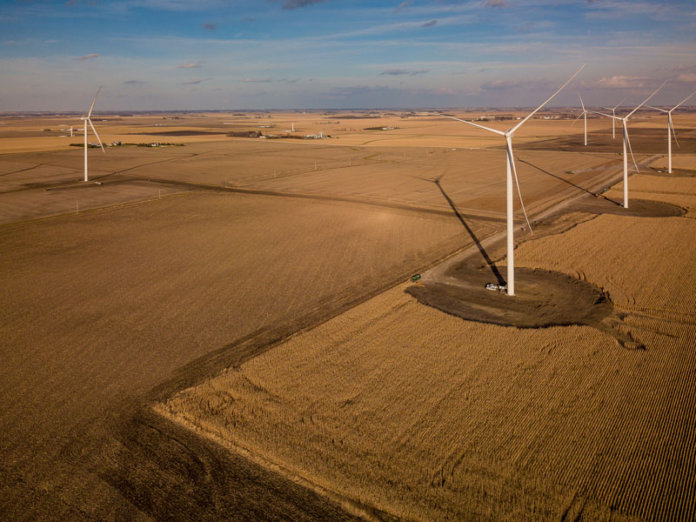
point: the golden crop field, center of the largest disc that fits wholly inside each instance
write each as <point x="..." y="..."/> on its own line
<point x="452" y="419"/>
<point x="220" y="326"/>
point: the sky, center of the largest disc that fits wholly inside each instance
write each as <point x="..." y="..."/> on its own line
<point x="317" y="54"/>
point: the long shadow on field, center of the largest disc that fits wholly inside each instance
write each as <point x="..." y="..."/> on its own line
<point x="543" y="171"/>
<point x="461" y="219"/>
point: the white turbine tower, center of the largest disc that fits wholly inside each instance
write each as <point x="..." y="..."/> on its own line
<point x="87" y="120"/>
<point x="627" y="142"/>
<point x="583" y="113"/>
<point x="613" y="120"/>
<point x="510" y="171"/>
<point x="670" y="130"/>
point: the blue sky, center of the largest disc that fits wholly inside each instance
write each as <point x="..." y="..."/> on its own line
<point x="244" y="54"/>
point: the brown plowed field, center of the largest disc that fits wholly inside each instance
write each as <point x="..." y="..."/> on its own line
<point x="100" y="307"/>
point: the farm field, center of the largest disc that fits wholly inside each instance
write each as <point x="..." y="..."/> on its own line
<point x="453" y="419"/>
<point x="404" y="129"/>
<point x="46" y="183"/>
<point x="104" y="305"/>
<point x="265" y="278"/>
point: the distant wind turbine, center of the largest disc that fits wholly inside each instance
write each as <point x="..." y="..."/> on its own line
<point x="627" y="142"/>
<point x="670" y="130"/>
<point x="583" y="113"/>
<point x="510" y="171"/>
<point x="613" y="120"/>
<point x="87" y="120"/>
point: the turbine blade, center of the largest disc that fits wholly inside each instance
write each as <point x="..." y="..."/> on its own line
<point x="479" y="126"/>
<point x="619" y="104"/>
<point x="517" y="182"/>
<point x="631" y="148"/>
<point x="511" y="131"/>
<point x="674" y="133"/>
<point x="646" y="100"/>
<point x="656" y="108"/>
<point x="94" y="100"/>
<point x="684" y="100"/>
<point x="97" y="135"/>
<point x="607" y="115"/>
<point x="576" y="119"/>
<point x="583" y="105"/>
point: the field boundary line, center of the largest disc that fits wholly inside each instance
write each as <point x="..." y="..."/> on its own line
<point x="351" y="506"/>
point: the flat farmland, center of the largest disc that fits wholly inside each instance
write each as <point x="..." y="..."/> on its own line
<point x="264" y="278"/>
<point x="104" y="305"/>
<point x="453" y="419"/>
<point x="473" y="179"/>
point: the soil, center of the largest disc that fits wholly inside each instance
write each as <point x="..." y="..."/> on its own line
<point x="636" y="207"/>
<point x="644" y="140"/>
<point x="542" y="299"/>
<point x="676" y="173"/>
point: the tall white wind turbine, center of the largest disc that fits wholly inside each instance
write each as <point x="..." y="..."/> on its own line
<point x="670" y="129"/>
<point x="583" y="113"/>
<point x="510" y="171"/>
<point x="87" y="120"/>
<point x="613" y="120"/>
<point x="627" y="142"/>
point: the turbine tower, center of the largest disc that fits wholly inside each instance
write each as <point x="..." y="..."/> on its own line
<point x="613" y="121"/>
<point x="510" y="171"/>
<point x="627" y="142"/>
<point x="583" y="113"/>
<point x="87" y="120"/>
<point x="670" y="130"/>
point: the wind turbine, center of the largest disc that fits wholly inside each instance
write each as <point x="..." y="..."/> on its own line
<point x="583" y="113"/>
<point x="87" y="120"/>
<point x="670" y="130"/>
<point x="613" y="121"/>
<point x="510" y="171"/>
<point x="627" y="142"/>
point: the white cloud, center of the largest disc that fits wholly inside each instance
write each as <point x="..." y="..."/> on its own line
<point x="623" y="82"/>
<point x="687" y="77"/>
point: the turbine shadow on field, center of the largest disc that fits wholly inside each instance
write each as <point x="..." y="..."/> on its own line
<point x="520" y="160"/>
<point x="461" y="219"/>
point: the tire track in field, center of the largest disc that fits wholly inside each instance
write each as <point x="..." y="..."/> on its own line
<point x="23" y="170"/>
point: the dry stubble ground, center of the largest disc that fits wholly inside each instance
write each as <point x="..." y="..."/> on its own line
<point x="396" y="405"/>
<point x="99" y="308"/>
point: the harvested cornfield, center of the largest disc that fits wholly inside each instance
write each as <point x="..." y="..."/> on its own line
<point x="398" y="406"/>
